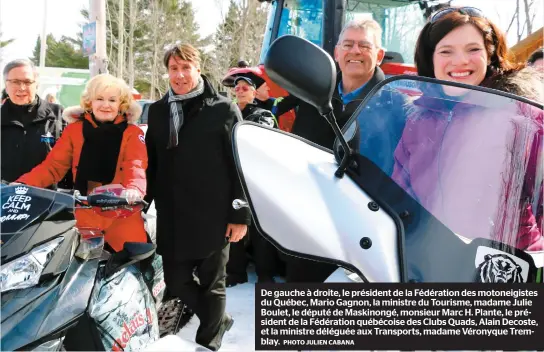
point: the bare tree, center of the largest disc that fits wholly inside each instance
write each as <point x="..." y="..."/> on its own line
<point x="130" y="54"/>
<point x="528" y="19"/>
<point x="121" y="46"/>
<point x="524" y="26"/>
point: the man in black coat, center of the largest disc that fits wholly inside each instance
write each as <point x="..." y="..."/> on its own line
<point x="358" y="54"/>
<point x="30" y="125"/>
<point x="193" y="180"/>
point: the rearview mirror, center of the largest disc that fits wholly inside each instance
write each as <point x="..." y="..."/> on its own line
<point x="303" y="69"/>
<point x="309" y="74"/>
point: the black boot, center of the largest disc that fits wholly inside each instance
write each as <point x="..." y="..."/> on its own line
<point x="226" y="324"/>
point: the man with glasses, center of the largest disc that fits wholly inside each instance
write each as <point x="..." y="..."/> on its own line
<point x="358" y="54"/>
<point x="30" y="124"/>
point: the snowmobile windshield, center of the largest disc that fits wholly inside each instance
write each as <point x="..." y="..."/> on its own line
<point x="23" y="205"/>
<point x="469" y="158"/>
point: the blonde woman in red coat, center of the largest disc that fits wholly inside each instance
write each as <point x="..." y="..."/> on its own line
<point x="101" y="145"/>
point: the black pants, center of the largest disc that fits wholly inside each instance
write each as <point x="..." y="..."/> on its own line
<point x="206" y="298"/>
<point x="305" y="270"/>
<point x="237" y="265"/>
<point x="266" y="256"/>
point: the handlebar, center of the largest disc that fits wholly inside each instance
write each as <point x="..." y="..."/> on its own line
<point x="104" y="200"/>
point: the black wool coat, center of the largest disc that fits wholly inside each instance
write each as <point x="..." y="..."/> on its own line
<point x="193" y="185"/>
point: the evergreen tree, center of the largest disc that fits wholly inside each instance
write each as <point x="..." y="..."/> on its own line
<point x="64" y="53"/>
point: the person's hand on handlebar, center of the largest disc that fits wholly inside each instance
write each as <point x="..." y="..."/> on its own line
<point x="132" y="195"/>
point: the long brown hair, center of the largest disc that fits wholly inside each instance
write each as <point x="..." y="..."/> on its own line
<point x="501" y="59"/>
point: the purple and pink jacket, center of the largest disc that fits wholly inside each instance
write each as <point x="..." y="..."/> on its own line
<point x="474" y="167"/>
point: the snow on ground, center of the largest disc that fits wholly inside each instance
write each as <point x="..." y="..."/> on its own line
<point x="241" y="306"/>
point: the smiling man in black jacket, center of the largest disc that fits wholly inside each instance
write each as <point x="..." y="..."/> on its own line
<point x="30" y="125"/>
<point x="193" y="180"/>
<point x="359" y="54"/>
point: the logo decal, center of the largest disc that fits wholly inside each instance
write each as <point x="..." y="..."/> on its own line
<point x="132" y="328"/>
<point x="142" y="138"/>
<point x="21" y="190"/>
<point x="47" y="138"/>
<point x="158" y="288"/>
<point x="496" y="266"/>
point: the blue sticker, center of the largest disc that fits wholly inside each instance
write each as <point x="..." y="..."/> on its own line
<point x="47" y="138"/>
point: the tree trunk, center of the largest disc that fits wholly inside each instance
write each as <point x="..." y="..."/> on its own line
<point x="112" y="38"/>
<point x="518" y="23"/>
<point x="243" y="32"/>
<point x="155" y="20"/>
<point x="121" y="46"/>
<point x="132" y="19"/>
<point x="528" y="17"/>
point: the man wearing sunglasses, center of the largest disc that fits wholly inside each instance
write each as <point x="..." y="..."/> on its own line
<point x="246" y="91"/>
<point x="30" y="124"/>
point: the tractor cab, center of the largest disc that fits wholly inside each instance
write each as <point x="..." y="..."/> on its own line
<point x="321" y="21"/>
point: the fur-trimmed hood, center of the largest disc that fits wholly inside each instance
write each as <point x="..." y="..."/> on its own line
<point x="75" y="113"/>
<point x="527" y="83"/>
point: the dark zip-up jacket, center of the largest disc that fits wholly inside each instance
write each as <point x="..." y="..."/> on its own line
<point x="25" y="143"/>
<point x="313" y="127"/>
<point x="254" y="113"/>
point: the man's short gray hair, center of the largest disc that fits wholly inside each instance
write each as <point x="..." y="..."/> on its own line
<point x="20" y="63"/>
<point x="365" y="24"/>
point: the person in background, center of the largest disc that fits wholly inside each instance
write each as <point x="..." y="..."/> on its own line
<point x="246" y="91"/>
<point x="5" y="96"/>
<point x="102" y="145"/>
<point x="51" y="98"/>
<point x="536" y="59"/>
<point x="264" y="253"/>
<point x="30" y="125"/>
<point x="193" y="180"/>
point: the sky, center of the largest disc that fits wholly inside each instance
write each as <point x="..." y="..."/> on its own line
<point x="64" y="18"/>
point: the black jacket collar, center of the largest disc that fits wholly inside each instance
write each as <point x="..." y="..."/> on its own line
<point x="9" y="114"/>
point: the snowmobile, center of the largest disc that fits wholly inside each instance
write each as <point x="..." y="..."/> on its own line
<point x="62" y="289"/>
<point x="391" y="202"/>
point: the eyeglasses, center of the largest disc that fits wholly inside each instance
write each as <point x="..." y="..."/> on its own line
<point x="363" y="45"/>
<point x="467" y="10"/>
<point x="19" y="83"/>
<point x="243" y="88"/>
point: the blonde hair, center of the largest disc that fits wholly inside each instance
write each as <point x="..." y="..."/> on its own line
<point x="366" y="25"/>
<point x="100" y="83"/>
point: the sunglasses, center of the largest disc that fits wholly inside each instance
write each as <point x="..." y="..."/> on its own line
<point x="242" y="88"/>
<point x="471" y="11"/>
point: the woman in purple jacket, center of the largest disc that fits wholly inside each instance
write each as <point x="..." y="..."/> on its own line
<point x="473" y="195"/>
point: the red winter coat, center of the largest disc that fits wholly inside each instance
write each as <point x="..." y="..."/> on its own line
<point x="130" y="173"/>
